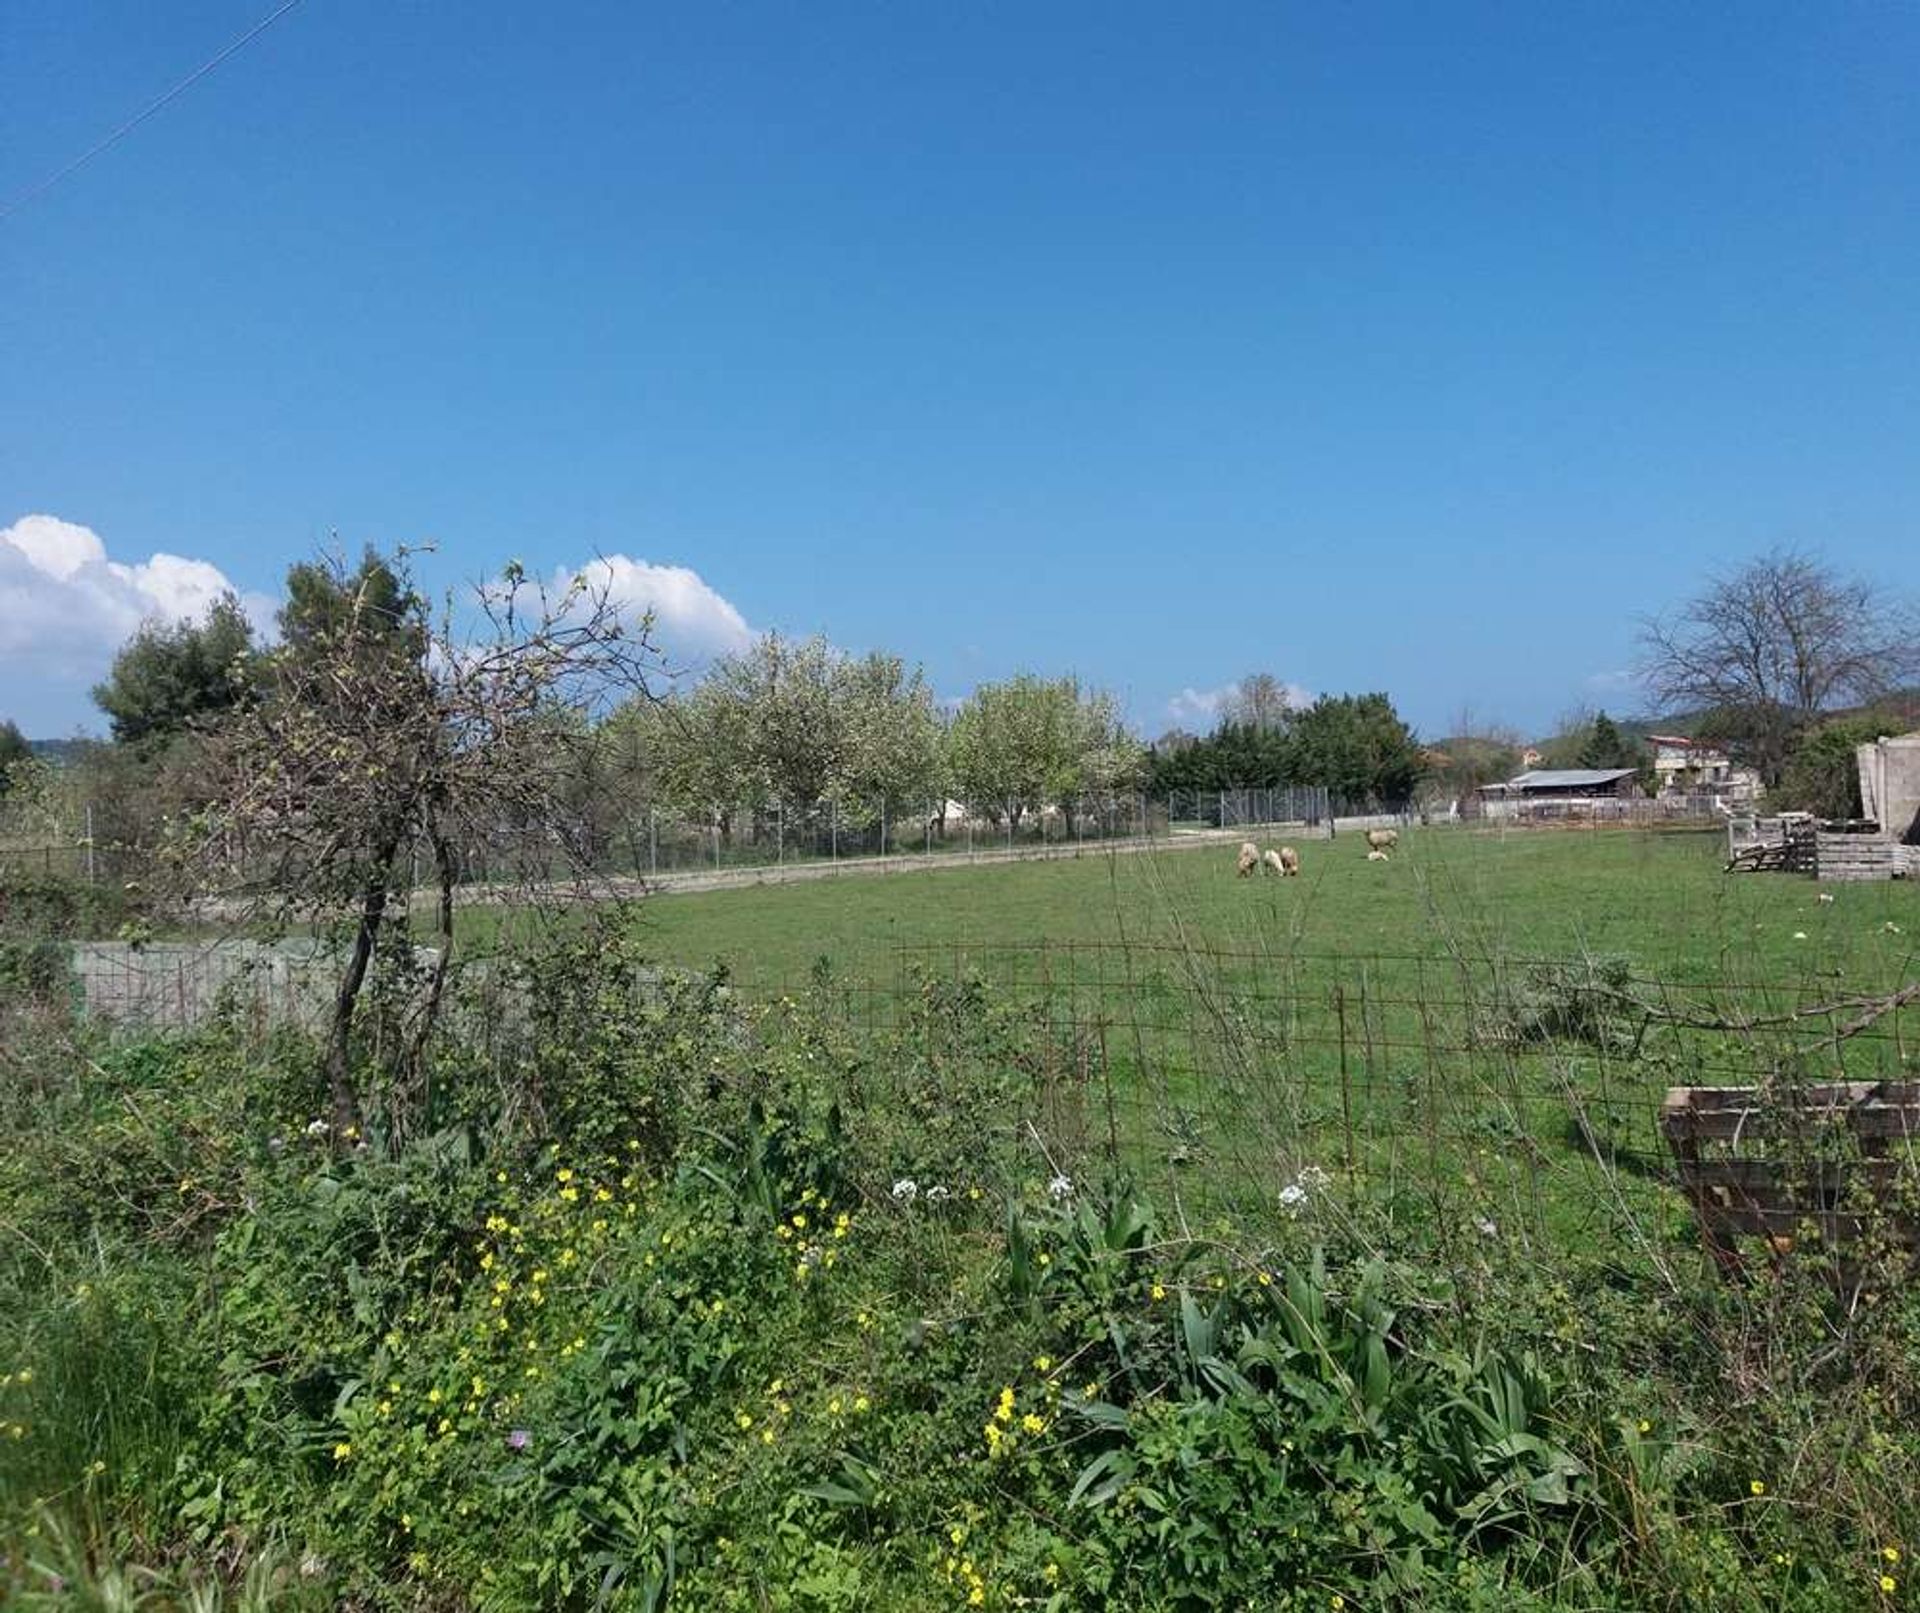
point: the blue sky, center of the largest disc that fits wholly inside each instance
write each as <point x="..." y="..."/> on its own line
<point x="1375" y="346"/>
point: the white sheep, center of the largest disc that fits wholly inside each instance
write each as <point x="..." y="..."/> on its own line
<point x="1289" y="860"/>
<point x="1249" y="858"/>
<point x="1383" y="839"/>
<point x="1272" y="862"/>
<point x="1378" y="856"/>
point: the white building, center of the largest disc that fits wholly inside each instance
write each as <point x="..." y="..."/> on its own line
<point x="1683" y="766"/>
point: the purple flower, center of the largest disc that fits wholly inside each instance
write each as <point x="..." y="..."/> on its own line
<point x="519" y="1440"/>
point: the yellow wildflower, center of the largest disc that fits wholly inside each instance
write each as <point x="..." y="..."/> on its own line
<point x="1158" y="1291"/>
<point x="342" y="1451"/>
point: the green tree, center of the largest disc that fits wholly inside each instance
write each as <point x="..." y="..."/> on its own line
<point x="1358" y="747"/>
<point x="14" y="750"/>
<point x="1018" y="747"/>
<point x="794" y="725"/>
<point x="1822" y="774"/>
<point x="374" y="607"/>
<point x="1606" y="746"/>
<point x="168" y="680"/>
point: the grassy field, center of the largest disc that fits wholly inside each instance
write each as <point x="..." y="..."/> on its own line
<point x="1497" y="1015"/>
<point x="1657" y="899"/>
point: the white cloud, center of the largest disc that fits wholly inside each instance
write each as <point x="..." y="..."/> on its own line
<point x="691" y="619"/>
<point x="1201" y="708"/>
<point x="65" y="608"/>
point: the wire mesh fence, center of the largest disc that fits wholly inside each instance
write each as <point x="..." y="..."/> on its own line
<point x="652" y="842"/>
<point x="1470" y="1093"/>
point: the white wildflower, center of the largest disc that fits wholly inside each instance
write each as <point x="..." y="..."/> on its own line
<point x="1061" y="1187"/>
<point x="318" y="1128"/>
<point x="1799" y="935"/>
<point x="1825" y="898"/>
<point x="938" y="1195"/>
<point x="1487" y="1228"/>
<point x="1292" y="1196"/>
<point x="906" y="1190"/>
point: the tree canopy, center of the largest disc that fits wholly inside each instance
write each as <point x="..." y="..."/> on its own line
<point x="377" y="734"/>
<point x="793" y="724"/>
<point x="1356" y="746"/>
<point x="1029" y="743"/>
<point x="14" y="750"/>
<point x="169" y="678"/>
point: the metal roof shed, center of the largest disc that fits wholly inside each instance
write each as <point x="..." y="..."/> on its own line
<point x="1573" y="781"/>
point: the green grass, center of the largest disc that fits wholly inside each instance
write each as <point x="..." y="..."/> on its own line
<point x="1658" y="899"/>
<point x="1362" y="1014"/>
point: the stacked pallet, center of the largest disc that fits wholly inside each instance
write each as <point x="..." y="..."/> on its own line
<point x="1771" y="845"/>
<point x="1827" y="1167"/>
<point x="1854" y="857"/>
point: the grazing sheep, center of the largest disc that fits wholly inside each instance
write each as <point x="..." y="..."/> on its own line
<point x="1272" y="863"/>
<point x="1383" y="839"/>
<point x="1289" y="860"/>
<point x="1249" y="858"/>
<point x="1378" y="856"/>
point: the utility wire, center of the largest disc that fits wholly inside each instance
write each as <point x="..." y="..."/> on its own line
<point x="10" y="208"/>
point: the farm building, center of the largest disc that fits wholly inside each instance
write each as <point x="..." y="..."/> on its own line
<point x="1683" y="766"/>
<point x="1556" y="792"/>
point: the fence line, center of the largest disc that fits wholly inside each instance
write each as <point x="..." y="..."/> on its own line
<point x="652" y="842"/>
<point x="1222" y="1078"/>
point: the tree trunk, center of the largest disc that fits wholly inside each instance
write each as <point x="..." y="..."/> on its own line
<point x="444" y="864"/>
<point x="373" y="911"/>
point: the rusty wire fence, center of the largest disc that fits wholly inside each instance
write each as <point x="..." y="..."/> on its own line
<point x="1476" y="1092"/>
<point x="1475" y="1096"/>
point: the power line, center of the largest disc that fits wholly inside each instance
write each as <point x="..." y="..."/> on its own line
<point x="140" y="117"/>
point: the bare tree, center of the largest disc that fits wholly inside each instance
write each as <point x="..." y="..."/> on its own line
<point x="381" y="733"/>
<point x="1768" y="648"/>
<point x="1259" y="700"/>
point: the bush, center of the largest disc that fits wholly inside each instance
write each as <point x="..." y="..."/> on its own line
<point x="685" y="1305"/>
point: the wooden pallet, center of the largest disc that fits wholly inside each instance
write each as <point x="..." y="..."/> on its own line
<point x="1831" y="1164"/>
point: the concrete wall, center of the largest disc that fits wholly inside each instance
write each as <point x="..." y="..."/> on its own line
<point x="1890" y="786"/>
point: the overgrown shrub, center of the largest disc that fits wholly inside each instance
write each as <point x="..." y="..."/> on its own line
<point x="685" y="1305"/>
